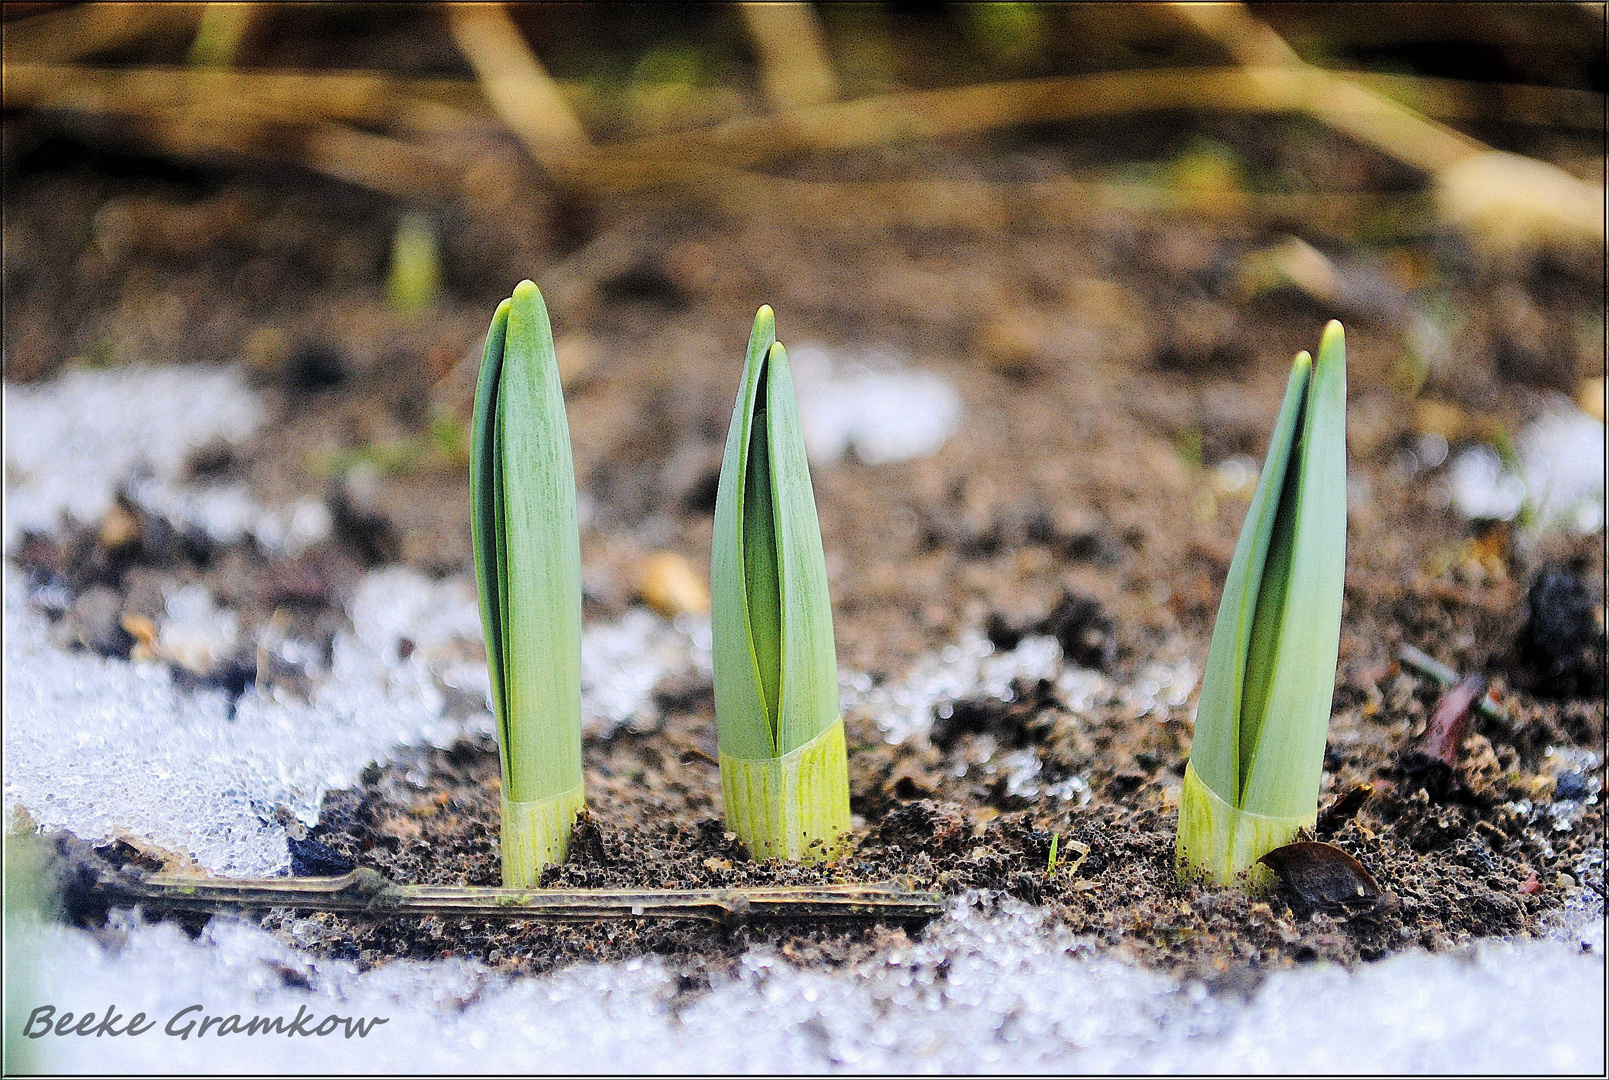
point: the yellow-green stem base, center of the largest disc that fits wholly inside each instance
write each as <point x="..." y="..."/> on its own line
<point x="1220" y="845"/>
<point x="537" y="834"/>
<point x="792" y="807"/>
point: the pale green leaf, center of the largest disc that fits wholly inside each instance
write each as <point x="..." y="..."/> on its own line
<point x="776" y="667"/>
<point x="809" y="653"/>
<point x="1215" y="748"/>
<point x="528" y="553"/>
<point x="743" y="722"/>
<point x="762" y="581"/>
<point x="486" y="494"/>
<point x="1289" y="757"/>
<point x="1272" y="610"/>
<point x="784" y="772"/>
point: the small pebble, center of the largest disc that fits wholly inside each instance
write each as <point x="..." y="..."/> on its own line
<point x="668" y="583"/>
<point x="119" y="528"/>
<point x="1571" y="785"/>
<point x="310" y="858"/>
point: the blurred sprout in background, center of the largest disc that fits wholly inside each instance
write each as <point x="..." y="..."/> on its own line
<point x="413" y="282"/>
<point x="1011" y="33"/>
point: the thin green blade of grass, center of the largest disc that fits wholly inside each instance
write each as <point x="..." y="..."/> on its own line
<point x="413" y="283"/>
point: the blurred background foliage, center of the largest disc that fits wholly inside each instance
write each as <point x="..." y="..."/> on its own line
<point x="448" y="149"/>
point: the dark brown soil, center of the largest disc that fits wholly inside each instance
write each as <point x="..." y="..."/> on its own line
<point x="1456" y="868"/>
<point x="1107" y="365"/>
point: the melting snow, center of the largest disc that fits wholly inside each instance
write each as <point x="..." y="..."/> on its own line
<point x="1000" y="991"/>
<point x="140" y="752"/>
<point x="1560" y="474"/>
<point x="74" y="442"/>
<point x="882" y="410"/>
<point x="96" y="745"/>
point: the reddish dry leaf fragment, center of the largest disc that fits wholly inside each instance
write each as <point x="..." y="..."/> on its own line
<point x="1322" y="876"/>
<point x="1444" y="734"/>
<point x="1530" y="884"/>
<point x="1432" y="762"/>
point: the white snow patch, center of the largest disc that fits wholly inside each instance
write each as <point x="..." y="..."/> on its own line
<point x="73" y="443"/>
<point x="1560" y="474"/>
<point x="622" y="662"/>
<point x="97" y="745"/>
<point x="1483" y="489"/>
<point x="94" y="744"/>
<point x="973" y="667"/>
<point x="1562" y="455"/>
<point x="195" y="632"/>
<point x="883" y="410"/>
<point x="1001" y="991"/>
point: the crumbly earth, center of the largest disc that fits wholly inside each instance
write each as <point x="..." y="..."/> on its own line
<point x="1110" y="361"/>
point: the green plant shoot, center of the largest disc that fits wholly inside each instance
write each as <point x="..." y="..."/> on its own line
<point x="413" y="283"/>
<point x="784" y="770"/>
<point x="1255" y="764"/>
<point x="528" y="572"/>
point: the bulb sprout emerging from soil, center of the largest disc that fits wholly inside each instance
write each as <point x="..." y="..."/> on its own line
<point x="1255" y="763"/>
<point x="784" y="771"/>
<point x="528" y="573"/>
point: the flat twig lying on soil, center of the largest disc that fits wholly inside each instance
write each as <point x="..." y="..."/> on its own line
<point x="367" y="892"/>
<point x="433" y="103"/>
<point x="370" y="98"/>
<point x="1507" y="201"/>
<point x="1367" y="116"/>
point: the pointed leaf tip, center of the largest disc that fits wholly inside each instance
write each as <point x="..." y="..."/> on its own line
<point x="1334" y="337"/>
<point x="524" y="289"/>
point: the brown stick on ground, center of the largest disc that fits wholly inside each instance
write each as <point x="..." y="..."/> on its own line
<point x="373" y="97"/>
<point x="519" y="88"/>
<point x="367" y="892"/>
<point x="794" y="66"/>
<point x="1507" y="202"/>
<point x="230" y="101"/>
<point x="85" y="29"/>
